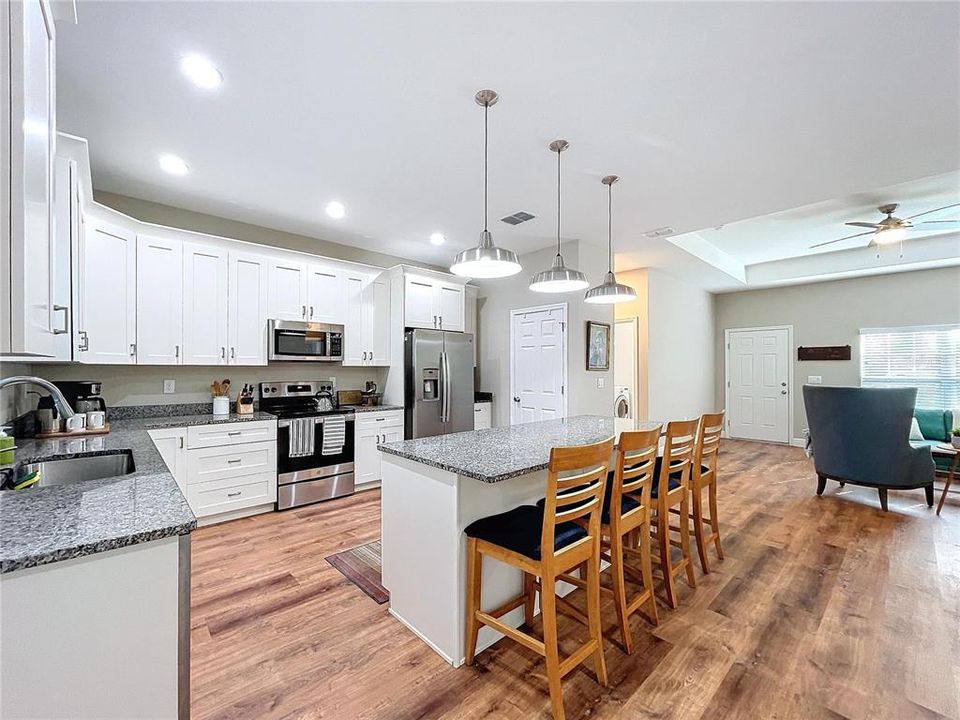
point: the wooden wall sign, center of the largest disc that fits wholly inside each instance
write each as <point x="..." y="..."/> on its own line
<point x="825" y="352"/>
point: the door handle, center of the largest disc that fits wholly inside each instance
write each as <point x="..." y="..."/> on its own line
<point x="66" y="320"/>
<point x="516" y="399"/>
<point x="783" y="392"/>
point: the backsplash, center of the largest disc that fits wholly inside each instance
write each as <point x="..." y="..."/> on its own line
<point x="14" y="401"/>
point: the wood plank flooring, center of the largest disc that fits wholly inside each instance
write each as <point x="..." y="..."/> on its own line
<point x="824" y="608"/>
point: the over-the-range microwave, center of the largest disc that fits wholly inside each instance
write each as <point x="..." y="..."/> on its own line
<point x="299" y="340"/>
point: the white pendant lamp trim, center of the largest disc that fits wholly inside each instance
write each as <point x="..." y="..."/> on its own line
<point x="559" y="278"/>
<point x="486" y="260"/>
<point x="610" y="291"/>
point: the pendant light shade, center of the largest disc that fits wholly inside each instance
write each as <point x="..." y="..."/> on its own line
<point x="486" y="260"/>
<point x="610" y="291"/>
<point x="559" y="278"/>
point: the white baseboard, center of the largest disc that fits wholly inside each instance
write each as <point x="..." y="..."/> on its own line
<point x="798" y="442"/>
<point x="416" y="632"/>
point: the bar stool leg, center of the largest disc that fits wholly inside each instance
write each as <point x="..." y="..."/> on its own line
<point x="593" y="613"/>
<point x="714" y="521"/>
<point x="548" y="614"/>
<point x="529" y="598"/>
<point x="685" y="539"/>
<point x="620" y="590"/>
<point x="698" y="529"/>
<point x="646" y="570"/>
<point x="666" y="560"/>
<point x="474" y="568"/>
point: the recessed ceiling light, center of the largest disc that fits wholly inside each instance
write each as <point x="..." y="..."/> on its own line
<point x="335" y="209"/>
<point x="201" y="72"/>
<point x="173" y="164"/>
<point x="438" y="238"/>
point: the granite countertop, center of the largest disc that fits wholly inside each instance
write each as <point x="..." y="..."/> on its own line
<point x="501" y="453"/>
<point x="49" y="524"/>
<point x="371" y="408"/>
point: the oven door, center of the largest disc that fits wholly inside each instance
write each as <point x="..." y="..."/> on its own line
<point x="294" y="340"/>
<point x="311" y="478"/>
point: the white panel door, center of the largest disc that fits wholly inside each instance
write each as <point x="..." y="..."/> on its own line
<point x="450" y="306"/>
<point x="159" y="301"/>
<point x="418" y="303"/>
<point x="354" y="350"/>
<point x="204" y="305"/>
<point x="376" y="321"/>
<point x="288" y="290"/>
<point x="325" y="301"/>
<point x="247" y="315"/>
<point x="759" y="373"/>
<point x="108" y="297"/>
<point x="538" y="370"/>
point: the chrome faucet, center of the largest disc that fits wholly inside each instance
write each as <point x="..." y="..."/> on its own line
<point x="59" y="400"/>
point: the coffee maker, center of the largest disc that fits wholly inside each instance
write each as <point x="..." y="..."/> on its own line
<point x="82" y="395"/>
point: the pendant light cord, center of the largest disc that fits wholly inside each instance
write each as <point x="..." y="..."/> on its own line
<point x="486" y="113"/>
<point x="558" y="203"/>
<point x="610" y="227"/>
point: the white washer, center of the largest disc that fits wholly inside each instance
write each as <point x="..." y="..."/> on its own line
<point x="623" y="409"/>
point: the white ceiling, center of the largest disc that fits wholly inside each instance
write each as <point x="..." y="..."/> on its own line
<point x="710" y="112"/>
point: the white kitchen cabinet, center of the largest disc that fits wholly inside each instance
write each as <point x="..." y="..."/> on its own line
<point x="67" y="228"/>
<point x="470" y="316"/>
<point x="247" y="316"/>
<point x="107" y="295"/>
<point x="432" y="303"/>
<point x="172" y="446"/>
<point x="354" y="344"/>
<point x="27" y="144"/>
<point x="372" y="428"/>
<point x="325" y="295"/>
<point x="288" y="290"/>
<point x="205" y="303"/>
<point x="376" y="322"/>
<point x="482" y="416"/>
<point x="159" y="301"/>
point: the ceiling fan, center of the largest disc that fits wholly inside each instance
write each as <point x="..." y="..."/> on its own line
<point x="893" y="229"/>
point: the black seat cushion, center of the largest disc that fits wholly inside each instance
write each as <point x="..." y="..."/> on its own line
<point x="520" y="530"/>
<point x="627" y="502"/>
<point x="672" y="484"/>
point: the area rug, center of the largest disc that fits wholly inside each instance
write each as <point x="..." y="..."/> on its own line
<point x="361" y="566"/>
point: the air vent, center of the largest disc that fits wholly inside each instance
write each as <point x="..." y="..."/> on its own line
<point x="659" y="232"/>
<point x="517" y="218"/>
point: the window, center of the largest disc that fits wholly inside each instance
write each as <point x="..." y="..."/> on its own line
<point x="927" y="358"/>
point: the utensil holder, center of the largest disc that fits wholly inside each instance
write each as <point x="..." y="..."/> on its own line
<point x="221" y="405"/>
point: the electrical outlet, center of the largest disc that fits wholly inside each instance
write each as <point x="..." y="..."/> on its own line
<point x="169" y="386"/>
<point x="333" y="382"/>
<point x="601" y="382"/>
<point x="814" y="379"/>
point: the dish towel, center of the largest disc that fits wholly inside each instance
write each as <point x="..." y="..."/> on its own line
<point x="301" y="437"/>
<point x="334" y="435"/>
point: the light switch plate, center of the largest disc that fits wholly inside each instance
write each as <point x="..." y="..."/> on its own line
<point x="600" y="382"/>
<point x="169" y="386"/>
<point x="333" y="382"/>
<point x="814" y="379"/>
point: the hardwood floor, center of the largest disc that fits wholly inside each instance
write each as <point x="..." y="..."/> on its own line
<point x="824" y="608"/>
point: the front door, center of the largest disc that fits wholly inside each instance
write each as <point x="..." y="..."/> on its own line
<point x="538" y="367"/>
<point x="759" y="374"/>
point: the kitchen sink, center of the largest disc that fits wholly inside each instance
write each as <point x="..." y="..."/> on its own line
<point x="69" y="471"/>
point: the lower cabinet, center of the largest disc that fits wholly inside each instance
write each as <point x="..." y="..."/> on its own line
<point x="373" y="428"/>
<point x="482" y="416"/>
<point x="225" y="470"/>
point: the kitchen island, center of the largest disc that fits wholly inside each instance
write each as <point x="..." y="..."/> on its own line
<point x="434" y="487"/>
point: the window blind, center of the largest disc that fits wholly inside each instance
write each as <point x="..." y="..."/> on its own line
<point x="927" y="358"/>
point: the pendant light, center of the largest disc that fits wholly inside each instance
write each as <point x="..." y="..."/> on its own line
<point x="486" y="260"/>
<point x="610" y="291"/>
<point x="559" y="278"/>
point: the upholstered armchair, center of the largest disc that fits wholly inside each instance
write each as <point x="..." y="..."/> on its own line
<point x="861" y="436"/>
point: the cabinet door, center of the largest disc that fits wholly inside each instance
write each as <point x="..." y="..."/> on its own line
<point x="366" y="458"/>
<point x="419" y="307"/>
<point x="29" y="126"/>
<point x="108" y="295"/>
<point x="470" y="316"/>
<point x="248" y="309"/>
<point x="377" y="322"/>
<point x="171" y="444"/>
<point x="204" y="305"/>
<point x="159" y="301"/>
<point x="66" y="231"/>
<point x="288" y="291"/>
<point x="450" y="306"/>
<point x="325" y="295"/>
<point x="355" y="351"/>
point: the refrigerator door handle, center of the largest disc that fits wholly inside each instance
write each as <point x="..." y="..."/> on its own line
<point x="443" y="387"/>
<point x="446" y="386"/>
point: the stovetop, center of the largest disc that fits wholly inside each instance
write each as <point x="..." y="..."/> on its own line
<point x="287" y="413"/>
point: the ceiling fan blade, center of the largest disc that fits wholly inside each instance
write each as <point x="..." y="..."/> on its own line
<point x="848" y="237"/>
<point x="927" y="212"/>
<point x="863" y="224"/>
<point x="937" y="225"/>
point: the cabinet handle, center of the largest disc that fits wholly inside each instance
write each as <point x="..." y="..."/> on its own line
<point x="303" y="311"/>
<point x="364" y="354"/>
<point x="234" y="460"/>
<point x="176" y="351"/>
<point x="441" y="322"/>
<point x="84" y="345"/>
<point x="133" y="348"/>
<point x="234" y="494"/>
<point x="233" y="353"/>
<point x="379" y="419"/>
<point x="223" y="353"/>
<point x="181" y="443"/>
<point x="434" y="320"/>
<point x="234" y="433"/>
<point x="66" y="320"/>
<point x="378" y="439"/>
<point x="476" y="409"/>
<point x="311" y="312"/>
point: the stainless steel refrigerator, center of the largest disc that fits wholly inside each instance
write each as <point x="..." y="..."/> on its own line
<point x="438" y="382"/>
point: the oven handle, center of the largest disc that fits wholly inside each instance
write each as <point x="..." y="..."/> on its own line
<point x="316" y="421"/>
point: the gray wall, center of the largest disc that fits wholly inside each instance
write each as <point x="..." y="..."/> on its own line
<point x="14" y="401"/>
<point x="832" y="313"/>
<point x="496" y="298"/>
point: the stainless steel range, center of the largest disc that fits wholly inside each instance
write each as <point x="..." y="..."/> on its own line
<point x="314" y="445"/>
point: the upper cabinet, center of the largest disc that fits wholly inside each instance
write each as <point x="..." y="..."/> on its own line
<point x="325" y="300"/>
<point x="27" y="144"/>
<point x="307" y="291"/>
<point x="205" y="312"/>
<point x="159" y="301"/>
<point x="248" y="309"/>
<point x="288" y="290"/>
<point x="367" y="326"/>
<point x="107" y="326"/>
<point x="431" y="302"/>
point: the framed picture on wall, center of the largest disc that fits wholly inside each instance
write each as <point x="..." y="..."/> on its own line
<point x="598" y="345"/>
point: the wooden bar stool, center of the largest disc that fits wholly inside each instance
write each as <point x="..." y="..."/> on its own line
<point x="671" y="494"/>
<point x="704" y="476"/>
<point x="545" y="543"/>
<point x="628" y="488"/>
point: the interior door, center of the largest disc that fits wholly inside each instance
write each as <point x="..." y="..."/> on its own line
<point x="325" y="295"/>
<point x="538" y="369"/>
<point x="159" y="301"/>
<point x="108" y="317"/>
<point x="759" y="373"/>
<point x="247" y="316"/>
<point x="204" y="305"/>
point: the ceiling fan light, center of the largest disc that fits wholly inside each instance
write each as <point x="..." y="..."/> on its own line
<point x="888" y="236"/>
<point x="610" y="292"/>
<point x="558" y="279"/>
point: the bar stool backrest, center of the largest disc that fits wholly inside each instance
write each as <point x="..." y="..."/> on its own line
<point x="635" y="469"/>
<point x="678" y="452"/>
<point x="575" y="486"/>
<point x="708" y="444"/>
